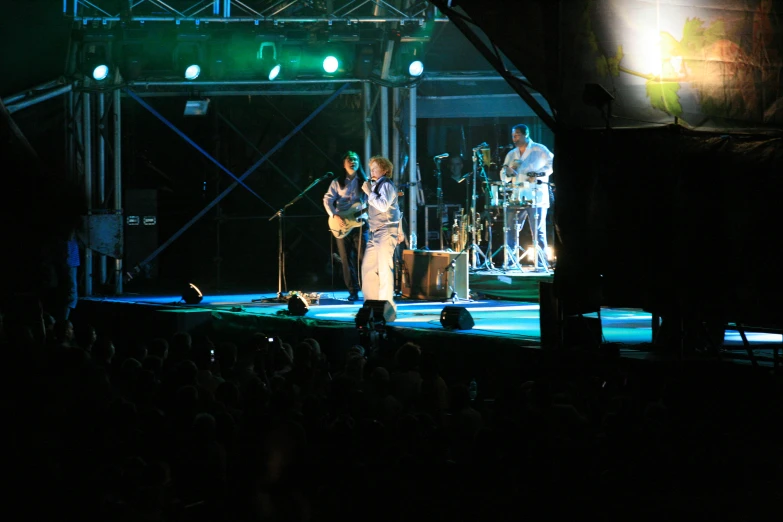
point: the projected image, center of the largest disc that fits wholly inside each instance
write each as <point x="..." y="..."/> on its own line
<point x="715" y="61"/>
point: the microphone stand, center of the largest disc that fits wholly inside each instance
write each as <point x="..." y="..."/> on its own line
<point x="476" y="255"/>
<point x="279" y="215"/>
<point x="441" y="208"/>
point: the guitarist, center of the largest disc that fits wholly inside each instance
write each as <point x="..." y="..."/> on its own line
<point x="343" y="192"/>
<point x="524" y="166"/>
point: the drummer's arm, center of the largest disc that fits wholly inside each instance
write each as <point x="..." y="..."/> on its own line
<point x="509" y="175"/>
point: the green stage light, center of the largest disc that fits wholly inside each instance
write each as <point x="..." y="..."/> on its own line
<point x="100" y="72"/>
<point x="416" y="68"/>
<point x="331" y="64"/>
<point x="96" y="61"/>
<point x="274" y="72"/>
<point x="192" y="72"/>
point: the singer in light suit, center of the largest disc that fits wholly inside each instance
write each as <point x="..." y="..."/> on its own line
<point x="343" y="192"/>
<point x="528" y="157"/>
<point x="384" y="223"/>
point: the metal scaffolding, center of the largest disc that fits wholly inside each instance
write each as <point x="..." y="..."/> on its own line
<point x="93" y="122"/>
<point x="249" y="11"/>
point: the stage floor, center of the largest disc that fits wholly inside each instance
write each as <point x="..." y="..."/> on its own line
<point x="495" y="320"/>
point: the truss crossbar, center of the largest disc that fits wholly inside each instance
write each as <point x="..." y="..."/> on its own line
<point x="257" y="11"/>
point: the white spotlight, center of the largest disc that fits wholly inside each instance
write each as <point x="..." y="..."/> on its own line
<point x="192" y="72"/>
<point x="416" y="68"/>
<point x="100" y="72"/>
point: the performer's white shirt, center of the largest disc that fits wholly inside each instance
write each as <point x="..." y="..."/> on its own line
<point x="338" y="199"/>
<point x="536" y="158"/>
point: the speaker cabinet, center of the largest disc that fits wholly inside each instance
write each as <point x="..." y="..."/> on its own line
<point x="434" y="274"/>
<point x="456" y="318"/>
<point x="141" y="227"/>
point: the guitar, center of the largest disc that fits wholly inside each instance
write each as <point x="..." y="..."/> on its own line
<point x="352" y="217"/>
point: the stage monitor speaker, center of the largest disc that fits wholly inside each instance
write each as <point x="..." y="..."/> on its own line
<point x="434" y="274"/>
<point x="381" y="310"/>
<point x="456" y="318"/>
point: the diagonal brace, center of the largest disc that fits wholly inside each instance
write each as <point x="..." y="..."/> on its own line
<point x="231" y="187"/>
<point x="193" y="143"/>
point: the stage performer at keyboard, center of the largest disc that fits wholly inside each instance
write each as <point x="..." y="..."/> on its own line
<point x="384" y="222"/>
<point x="527" y="164"/>
<point x="345" y="202"/>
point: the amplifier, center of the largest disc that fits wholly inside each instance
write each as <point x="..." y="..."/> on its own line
<point x="428" y="274"/>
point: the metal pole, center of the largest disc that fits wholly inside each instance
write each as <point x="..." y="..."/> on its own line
<point x="396" y="134"/>
<point x="117" y="183"/>
<point x="101" y="161"/>
<point x="384" y="122"/>
<point x="87" y="144"/>
<point x="367" y="120"/>
<point x="70" y="128"/>
<point x="9" y="100"/>
<point x="32" y="100"/>
<point x="412" y="165"/>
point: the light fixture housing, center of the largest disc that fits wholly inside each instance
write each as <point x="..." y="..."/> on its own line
<point x="298" y="305"/>
<point x="196" y="107"/>
<point x="192" y="295"/>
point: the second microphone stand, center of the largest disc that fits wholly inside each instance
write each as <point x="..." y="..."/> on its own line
<point x="280" y="252"/>
<point x="476" y="253"/>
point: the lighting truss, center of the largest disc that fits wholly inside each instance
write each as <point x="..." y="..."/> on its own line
<point x="248" y="11"/>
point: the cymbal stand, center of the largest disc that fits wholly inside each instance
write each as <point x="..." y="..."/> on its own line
<point x="509" y="257"/>
<point x="476" y="252"/>
<point x="441" y="206"/>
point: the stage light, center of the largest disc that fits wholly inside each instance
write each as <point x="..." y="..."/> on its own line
<point x="268" y="61"/>
<point x="550" y="253"/>
<point x="189" y="56"/>
<point x="192" y="72"/>
<point x="100" y="72"/>
<point x="456" y="318"/>
<point x="133" y="58"/>
<point x="331" y="64"/>
<point x="192" y="295"/>
<point x="365" y="60"/>
<point x="409" y="60"/>
<point x="298" y="305"/>
<point x="95" y="61"/>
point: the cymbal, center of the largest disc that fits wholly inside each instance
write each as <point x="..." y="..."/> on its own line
<point x="507" y="185"/>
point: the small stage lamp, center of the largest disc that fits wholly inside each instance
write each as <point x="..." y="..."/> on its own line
<point x="331" y="64"/>
<point x="192" y="295"/>
<point x="298" y="305"/>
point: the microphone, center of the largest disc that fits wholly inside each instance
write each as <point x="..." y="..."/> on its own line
<point x="463" y="178"/>
<point x="441" y="156"/>
<point x="330" y="174"/>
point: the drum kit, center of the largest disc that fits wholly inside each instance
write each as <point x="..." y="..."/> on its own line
<point x="506" y="201"/>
